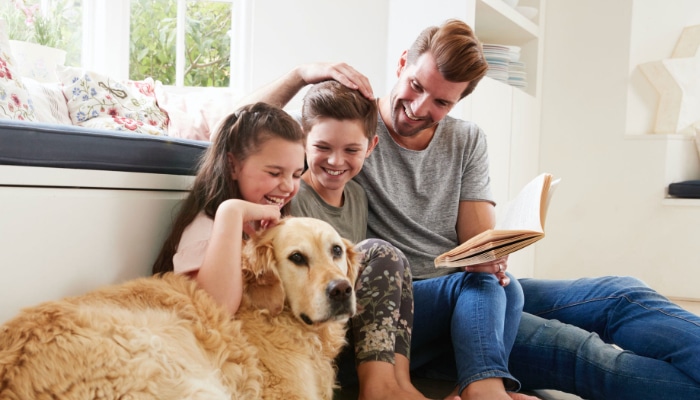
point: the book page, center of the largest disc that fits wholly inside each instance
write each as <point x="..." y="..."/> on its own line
<point x="546" y="198"/>
<point x="524" y="212"/>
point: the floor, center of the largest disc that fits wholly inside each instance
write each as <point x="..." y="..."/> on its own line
<point x="434" y="389"/>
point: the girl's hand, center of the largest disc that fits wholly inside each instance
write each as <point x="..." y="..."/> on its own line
<point x="497" y="267"/>
<point x="257" y="216"/>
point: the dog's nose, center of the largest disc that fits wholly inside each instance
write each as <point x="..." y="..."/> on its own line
<point x="339" y="290"/>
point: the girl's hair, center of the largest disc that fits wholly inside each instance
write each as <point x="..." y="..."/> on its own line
<point x="457" y="51"/>
<point x="330" y="99"/>
<point x="241" y="134"/>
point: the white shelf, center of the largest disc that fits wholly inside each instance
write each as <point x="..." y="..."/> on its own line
<point x="11" y="175"/>
<point x="497" y="22"/>
<point x="679" y="202"/>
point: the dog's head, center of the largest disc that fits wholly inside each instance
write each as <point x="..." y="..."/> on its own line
<point x="305" y="264"/>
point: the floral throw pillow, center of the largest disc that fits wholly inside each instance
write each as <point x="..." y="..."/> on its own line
<point x="98" y="101"/>
<point x="15" y="102"/>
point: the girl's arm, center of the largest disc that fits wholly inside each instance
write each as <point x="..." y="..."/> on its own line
<point x="220" y="273"/>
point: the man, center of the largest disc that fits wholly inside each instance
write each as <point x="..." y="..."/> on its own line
<point x="427" y="183"/>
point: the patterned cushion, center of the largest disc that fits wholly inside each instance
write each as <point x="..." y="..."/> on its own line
<point x="98" y="101"/>
<point x="15" y="102"/>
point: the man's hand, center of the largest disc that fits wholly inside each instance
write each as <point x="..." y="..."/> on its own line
<point x="497" y="267"/>
<point x="341" y="72"/>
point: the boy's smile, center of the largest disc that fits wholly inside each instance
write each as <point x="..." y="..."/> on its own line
<point x="335" y="153"/>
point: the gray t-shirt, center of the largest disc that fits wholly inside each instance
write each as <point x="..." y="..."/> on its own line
<point x="414" y="195"/>
<point x="350" y="220"/>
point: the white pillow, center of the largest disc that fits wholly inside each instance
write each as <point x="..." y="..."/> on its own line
<point x="49" y="104"/>
<point x="98" y="101"/>
<point x="36" y="61"/>
<point x="197" y="113"/>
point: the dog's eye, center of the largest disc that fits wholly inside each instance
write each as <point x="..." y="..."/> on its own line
<point x="337" y="251"/>
<point x="297" y="258"/>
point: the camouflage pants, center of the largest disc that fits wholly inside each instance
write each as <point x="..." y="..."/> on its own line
<point x="383" y="323"/>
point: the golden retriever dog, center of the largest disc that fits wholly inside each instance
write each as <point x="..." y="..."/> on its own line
<point x="165" y="338"/>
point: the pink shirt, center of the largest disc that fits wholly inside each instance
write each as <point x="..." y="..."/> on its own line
<point x="193" y="245"/>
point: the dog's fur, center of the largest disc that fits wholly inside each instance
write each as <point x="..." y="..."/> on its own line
<point x="164" y="338"/>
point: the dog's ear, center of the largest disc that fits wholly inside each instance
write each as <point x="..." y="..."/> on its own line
<point x="353" y="261"/>
<point x="262" y="286"/>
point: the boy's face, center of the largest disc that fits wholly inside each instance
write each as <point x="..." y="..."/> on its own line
<point x="336" y="151"/>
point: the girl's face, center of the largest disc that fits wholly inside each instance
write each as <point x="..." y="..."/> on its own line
<point x="336" y="151"/>
<point x="271" y="175"/>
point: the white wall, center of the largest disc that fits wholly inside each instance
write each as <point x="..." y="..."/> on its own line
<point x="608" y="215"/>
<point x="287" y="33"/>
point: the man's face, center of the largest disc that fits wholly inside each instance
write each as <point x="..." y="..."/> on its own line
<point x="421" y="97"/>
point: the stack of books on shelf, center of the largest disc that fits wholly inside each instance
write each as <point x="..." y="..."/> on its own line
<point x="505" y="65"/>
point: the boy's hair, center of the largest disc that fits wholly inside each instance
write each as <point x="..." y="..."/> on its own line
<point x="330" y="99"/>
<point x="241" y="134"/>
<point x="458" y="53"/>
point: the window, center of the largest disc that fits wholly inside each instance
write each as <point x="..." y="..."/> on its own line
<point x="179" y="42"/>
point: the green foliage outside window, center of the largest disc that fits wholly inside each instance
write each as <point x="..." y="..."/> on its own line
<point x="207" y="42"/>
<point x="58" y="25"/>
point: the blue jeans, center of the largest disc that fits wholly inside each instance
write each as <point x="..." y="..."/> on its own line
<point x="464" y="328"/>
<point x="563" y="338"/>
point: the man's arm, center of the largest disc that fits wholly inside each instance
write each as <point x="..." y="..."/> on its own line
<point x="473" y="218"/>
<point x="281" y="91"/>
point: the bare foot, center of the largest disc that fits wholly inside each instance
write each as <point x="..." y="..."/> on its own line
<point x="520" y="396"/>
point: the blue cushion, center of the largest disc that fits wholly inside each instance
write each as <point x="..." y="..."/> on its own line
<point x="686" y="189"/>
<point x="67" y="146"/>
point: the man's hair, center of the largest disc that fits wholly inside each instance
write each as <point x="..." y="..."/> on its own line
<point x="330" y="99"/>
<point x="457" y="52"/>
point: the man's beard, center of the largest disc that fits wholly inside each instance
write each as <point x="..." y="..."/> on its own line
<point x="398" y="112"/>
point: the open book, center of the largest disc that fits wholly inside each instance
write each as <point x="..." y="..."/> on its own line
<point x="521" y="225"/>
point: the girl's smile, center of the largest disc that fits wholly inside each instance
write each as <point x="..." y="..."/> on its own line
<point x="271" y="175"/>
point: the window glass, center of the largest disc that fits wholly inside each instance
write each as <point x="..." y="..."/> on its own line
<point x="207" y="41"/>
<point x="53" y="23"/>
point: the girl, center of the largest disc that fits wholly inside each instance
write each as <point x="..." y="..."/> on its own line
<point x="341" y="124"/>
<point x="245" y="180"/>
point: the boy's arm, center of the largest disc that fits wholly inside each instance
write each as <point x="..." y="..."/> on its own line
<point x="281" y="91"/>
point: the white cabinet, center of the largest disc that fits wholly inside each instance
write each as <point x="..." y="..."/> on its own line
<point x="67" y="231"/>
<point x="496" y="22"/>
<point x="510" y="116"/>
<point x="510" y="119"/>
